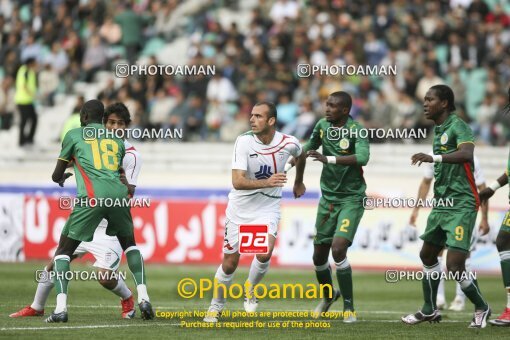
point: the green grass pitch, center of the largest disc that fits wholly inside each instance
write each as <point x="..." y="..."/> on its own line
<point x="95" y="313"/>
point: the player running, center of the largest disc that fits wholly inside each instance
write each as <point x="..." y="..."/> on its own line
<point x="343" y="187"/>
<point x="105" y="249"/>
<point x="503" y="238"/>
<point x="458" y="302"/>
<point x="97" y="163"/>
<point x="258" y="176"/>
<point x="453" y="172"/>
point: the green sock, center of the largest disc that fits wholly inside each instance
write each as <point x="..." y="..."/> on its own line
<point x="61" y="267"/>
<point x="473" y="294"/>
<point x="135" y="264"/>
<point x="430" y="287"/>
<point x="505" y="270"/>
<point x="344" y="277"/>
<point x="323" y="274"/>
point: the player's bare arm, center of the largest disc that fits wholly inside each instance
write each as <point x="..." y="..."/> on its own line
<point x="484" y="227"/>
<point x="241" y="182"/>
<point x="299" y="187"/>
<point x="344" y="160"/>
<point x="423" y="191"/>
<point x="487" y="193"/>
<point x="59" y="175"/>
<point x="462" y="155"/>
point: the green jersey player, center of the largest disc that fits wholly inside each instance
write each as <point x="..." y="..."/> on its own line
<point x="503" y="238"/>
<point x="450" y="226"/>
<point x="97" y="161"/>
<point x="344" y="151"/>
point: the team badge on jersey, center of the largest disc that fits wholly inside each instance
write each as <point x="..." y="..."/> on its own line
<point x="344" y="144"/>
<point x="444" y="138"/>
<point x="264" y="172"/>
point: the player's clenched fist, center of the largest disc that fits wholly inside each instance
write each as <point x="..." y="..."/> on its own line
<point x="299" y="189"/>
<point x="277" y="180"/>
<point x="485" y="194"/>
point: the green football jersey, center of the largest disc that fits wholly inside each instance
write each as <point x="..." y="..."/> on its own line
<point x="96" y="162"/>
<point x="340" y="183"/>
<point x="455" y="182"/>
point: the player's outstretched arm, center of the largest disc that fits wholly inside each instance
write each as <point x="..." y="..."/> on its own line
<point x="463" y="154"/>
<point x="240" y="182"/>
<point x="59" y="175"/>
<point x="423" y="191"/>
<point x="487" y="193"/>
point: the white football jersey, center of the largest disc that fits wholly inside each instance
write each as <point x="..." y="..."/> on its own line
<point x="428" y="171"/>
<point x="260" y="161"/>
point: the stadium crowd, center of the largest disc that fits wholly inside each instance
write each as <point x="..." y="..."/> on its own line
<point x="463" y="43"/>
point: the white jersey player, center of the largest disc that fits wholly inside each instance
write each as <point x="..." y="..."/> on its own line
<point x="458" y="302"/>
<point x="106" y="249"/>
<point x="258" y="175"/>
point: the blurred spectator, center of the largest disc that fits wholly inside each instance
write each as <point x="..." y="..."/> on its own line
<point x="110" y="31"/>
<point x="287" y="113"/>
<point x="94" y="58"/>
<point x="73" y="121"/>
<point x="7" y="103"/>
<point x="484" y="117"/>
<point x="57" y="58"/>
<point x="26" y="91"/>
<point x="221" y="89"/>
<point x="31" y="49"/>
<point x="131" y="25"/>
<point x="428" y="80"/>
<point x="282" y="9"/>
<point x="48" y="85"/>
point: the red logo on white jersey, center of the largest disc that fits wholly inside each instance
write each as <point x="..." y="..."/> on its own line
<point x="253" y="239"/>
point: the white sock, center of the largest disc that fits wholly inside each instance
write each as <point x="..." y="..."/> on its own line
<point x="121" y="289"/>
<point x="42" y="292"/>
<point x="458" y="290"/>
<point x="440" y="289"/>
<point x="257" y="271"/>
<point x="142" y="293"/>
<point x="508" y="299"/>
<point x="342" y="264"/>
<point x="220" y="295"/>
<point x="61" y="303"/>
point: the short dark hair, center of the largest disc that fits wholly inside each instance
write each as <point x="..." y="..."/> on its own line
<point x="30" y="61"/>
<point x="119" y="109"/>
<point x="344" y="97"/>
<point x="444" y="92"/>
<point x="272" y="109"/>
<point x="94" y="109"/>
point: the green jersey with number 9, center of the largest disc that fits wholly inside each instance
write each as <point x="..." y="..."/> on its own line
<point x="97" y="159"/>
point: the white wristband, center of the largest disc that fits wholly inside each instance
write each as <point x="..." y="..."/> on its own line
<point x="288" y="166"/>
<point x="437" y="158"/>
<point x="495" y="186"/>
<point x="331" y="159"/>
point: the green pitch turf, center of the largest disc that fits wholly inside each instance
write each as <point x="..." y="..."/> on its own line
<point x="95" y="313"/>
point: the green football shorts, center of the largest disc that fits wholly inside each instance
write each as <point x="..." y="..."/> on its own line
<point x="83" y="221"/>
<point x="451" y="228"/>
<point x="337" y="220"/>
